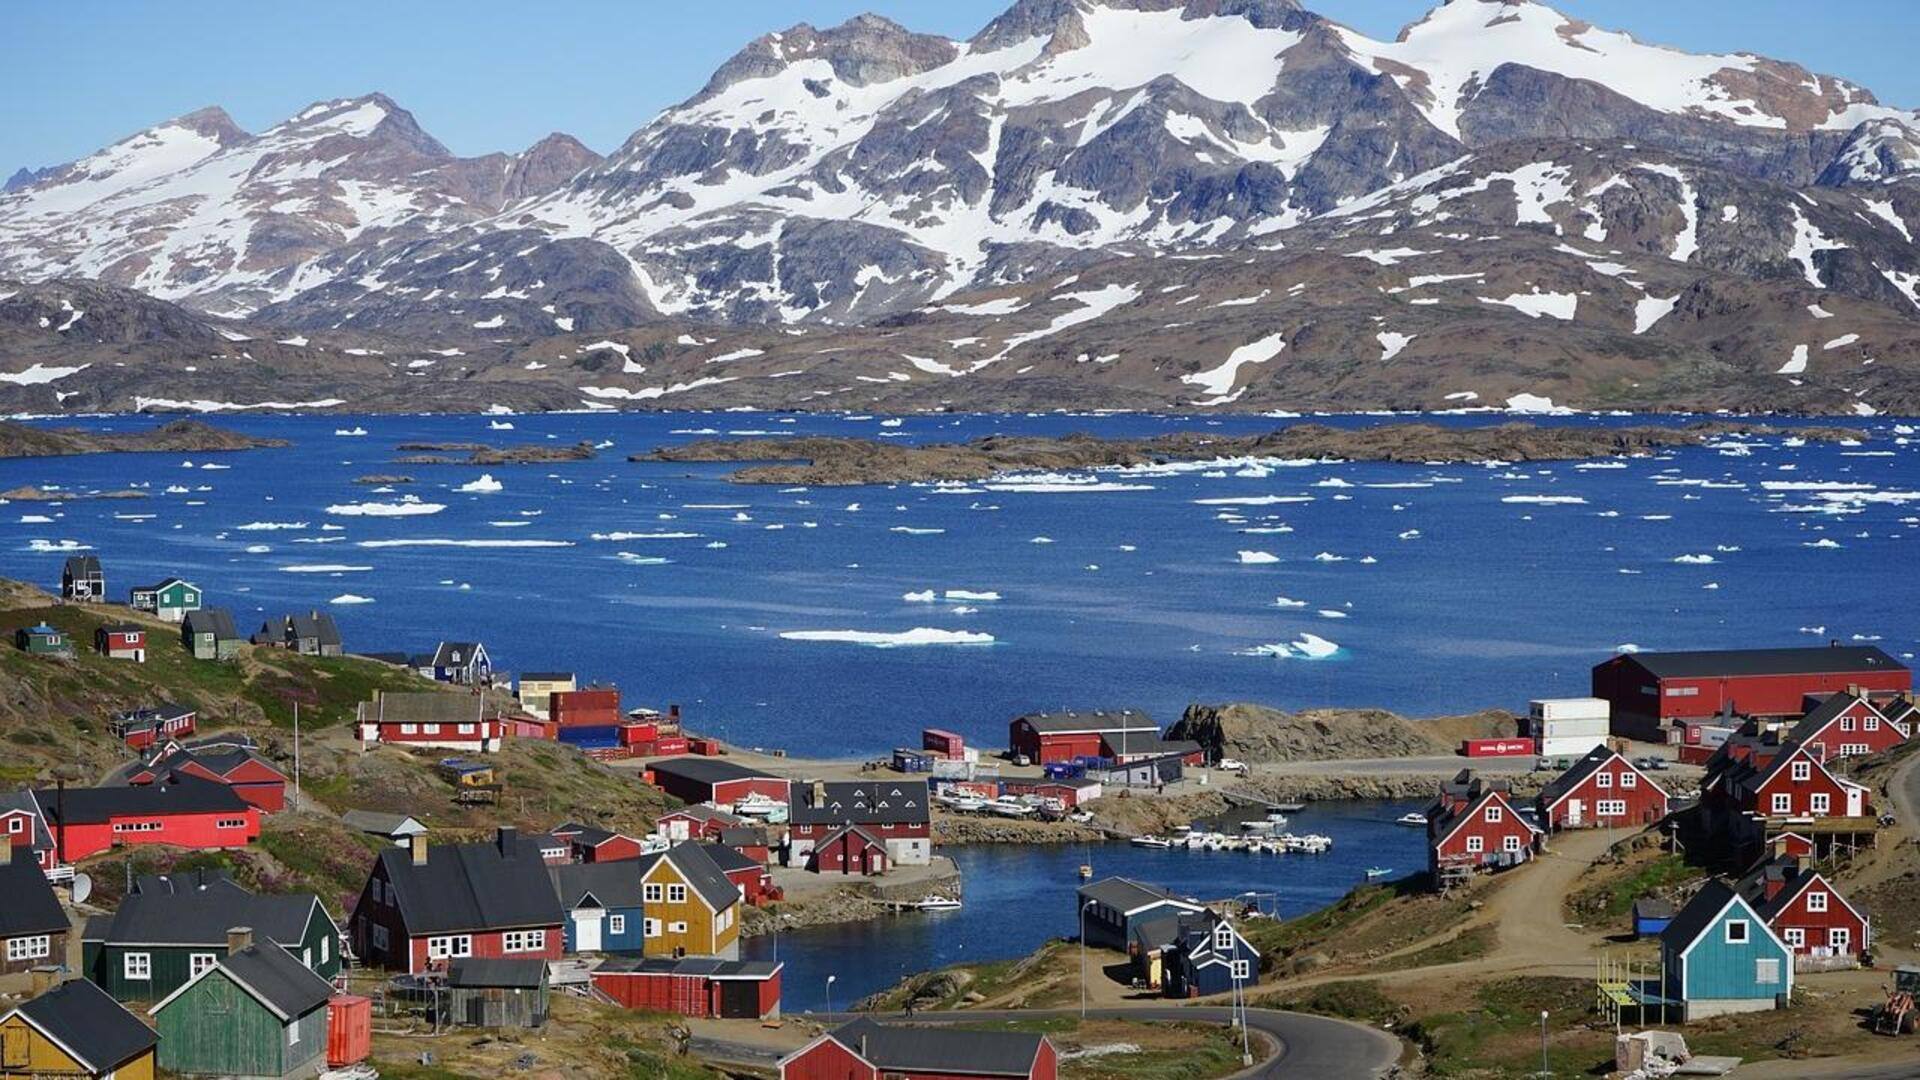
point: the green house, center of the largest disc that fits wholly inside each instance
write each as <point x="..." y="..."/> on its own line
<point x="209" y="634"/>
<point x="174" y="926"/>
<point x="43" y="640"/>
<point x="257" y="1012"/>
<point x="172" y="599"/>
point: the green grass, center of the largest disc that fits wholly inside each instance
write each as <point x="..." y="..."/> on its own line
<point x="1466" y="945"/>
<point x="1213" y="1052"/>
<point x="1611" y="901"/>
<point x="1498" y="1034"/>
<point x="1350" y="999"/>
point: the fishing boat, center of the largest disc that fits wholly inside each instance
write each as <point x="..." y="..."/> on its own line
<point x="938" y="903"/>
<point x="1415" y="821"/>
<point x="1288" y="807"/>
<point x="1375" y="873"/>
<point x="1156" y="842"/>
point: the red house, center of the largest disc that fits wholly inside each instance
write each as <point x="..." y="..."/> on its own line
<point x="1807" y="913"/>
<point x="122" y="641"/>
<point x="425" y="906"/>
<point x="248" y="774"/>
<point x="141" y="728"/>
<point x="591" y="844"/>
<point x="698" y="986"/>
<point x="697" y="779"/>
<point x="431" y="720"/>
<point x="22" y="824"/>
<point x="865" y="1050"/>
<point x="1790" y="783"/>
<point x="1043" y="738"/>
<point x="1601" y="790"/>
<point x="696" y="822"/>
<point x="1475" y="826"/>
<point x="1649" y="692"/>
<point x="179" y="811"/>
<point x="894" y="812"/>
<point x="748" y="874"/>
<point x="849" y="849"/>
<point x="1846" y="724"/>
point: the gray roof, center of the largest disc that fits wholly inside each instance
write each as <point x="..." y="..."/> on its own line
<point x="427" y="707"/>
<point x="1699" y="914"/>
<point x="220" y="761"/>
<point x="176" y="794"/>
<point x="381" y="823"/>
<point x="445" y="652"/>
<point x="729" y="860"/>
<point x="203" y="879"/>
<point x="474" y="972"/>
<point x="613" y="884"/>
<point x="89" y="1024"/>
<point x="862" y="802"/>
<point x="699" y="869"/>
<point x="707" y="770"/>
<point x="82" y="565"/>
<point x="1576" y="775"/>
<point x="908" y="1048"/>
<point x="277" y="980"/>
<point x="202" y="914"/>
<point x="314" y="624"/>
<point x="710" y="966"/>
<point x="1148" y="741"/>
<point x="1126" y="894"/>
<point x="213" y="620"/>
<point x="1832" y="659"/>
<point x="1823" y="714"/>
<point x="31" y="907"/>
<point x="1097" y="720"/>
<point x="23" y="800"/>
<point x="464" y="887"/>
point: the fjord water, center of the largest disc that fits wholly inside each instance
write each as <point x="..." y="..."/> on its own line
<point x="1445" y="588"/>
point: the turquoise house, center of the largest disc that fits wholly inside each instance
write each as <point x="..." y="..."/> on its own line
<point x="1720" y="957"/>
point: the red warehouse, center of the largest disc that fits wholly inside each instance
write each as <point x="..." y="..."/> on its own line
<point x="1649" y="692"/>
<point x="590" y="844"/>
<point x="596" y="706"/>
<point x="1043" y="738"/>
<point x="1475" y="826"/>
<point x="141" y="728"/>
<point x="425" y="906"/>
<point x="894" y="812"/>
<point x="697" y="779"/>
<point x="695" y="986"/>
<point x="1602" y="790"/>
<point x="1806" y="912"/>
<point x="1847" y="725"/>
<point x="865" y="1050"/>
<point x="245" y="772"/>
<point x="180" y="811"/>
<point x="850" y="849"/>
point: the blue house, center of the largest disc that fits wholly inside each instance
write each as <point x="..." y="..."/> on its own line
<point x="1110" y="908"/>
<point x="1651" y="916"/>
<point x="602" y="904"/>
<point x="1208" y="956"/>
<point x="1720" y="957"/>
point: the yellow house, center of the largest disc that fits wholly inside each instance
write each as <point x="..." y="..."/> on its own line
<point x="538" y="687"/>
<point x="691" y="907"/>
<point x="75" y="1030"/>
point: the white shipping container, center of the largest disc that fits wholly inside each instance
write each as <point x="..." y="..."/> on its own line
<point x="1580" y="708"/>
<point x="1570" y="745"/>
<point x="1583" y="726"/>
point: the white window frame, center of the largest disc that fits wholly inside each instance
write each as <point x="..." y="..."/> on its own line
<point x="1476" y="845"/>
<point x="449" y="946"/>
<point x="1782" y="802"/>
<point x="199" y="962"/>
<point x="1766" y="971"/>
<point x="17" y="823"/>
<point x="519" y="941"/>
<point x="1817" y="902"/>
<point x="293" y="1034"/>
<point x="1795" y="937"/>
<point x="616" y="924"/>
<point x="1802" y="771"/>
<point x="1223" y="937"/>
<point x="1820" y="802"/>
<point x="137" y="966"/>
<point x="326" y="948"/>
<point x="1610" y="808"/>
<point x="1871" y="723"/>
<point x="1846" y="723"/>
<point x="650" y="928"/>
<point x="676" y="893"/>
<point x="1629" y="780"/>
<point x="676" y="928"/>
<point x="653" y="893"/>
<point x="31" y="947"/>
<point x="1603" y="780"/>
<point x="1840" y="938"/>
<point x="429" y="729"/>
<point x="1242" y="970"/>
<point x="1510" y="844"/>
<point x="409" y="729"/>
<point x="1746" y="932"/>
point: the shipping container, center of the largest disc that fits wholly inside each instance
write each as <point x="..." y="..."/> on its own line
<point x="349" y="1029"/>
<point x="1582" y="708"/>
<point x="943" y="742"/>
<point x="590" y="737"/>
<point x="1497" y="747"/>
<point x="676" y="744"/>
<point x="705" y="747"/>
<point x="912" y="761"/>
<point x="1557" y="746"/>
<point x="631" y="734"/>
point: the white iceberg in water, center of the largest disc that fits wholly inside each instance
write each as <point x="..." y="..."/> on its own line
<point x="1288" y="602"/>
<point x="1693" y="560"/>
<point x="485" y="485"/>
<point x="1258" y="558"/>
<point x="924" y="596"/>
<point x="408" y="506"/>
<point x="968" y="595"/>
<point x="919" y="635"/>
<point x="1307" y="647"/>
<point x="350" y="598"/>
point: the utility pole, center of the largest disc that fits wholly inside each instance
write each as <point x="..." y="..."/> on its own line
<point x="296" y="756"/>
<point x="1544" y="1071"/>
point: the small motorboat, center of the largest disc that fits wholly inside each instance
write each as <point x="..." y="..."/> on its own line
<point x="1086" y="871"/>
<point x="1415" y="821"/>
<point x="1288" y="808"/>
<point x="1375" y="873"/>
<point x="938" y="903"/>
<point x="1156" y="842"/>
<point x="1010" y="808"/>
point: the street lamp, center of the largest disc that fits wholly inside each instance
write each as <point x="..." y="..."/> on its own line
<point x="830" y="979"/>
<point x="1543" y="1044"/>
<point x="1083" y="959"/>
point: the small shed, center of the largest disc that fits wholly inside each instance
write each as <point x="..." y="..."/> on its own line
<point x="495" y="992"/>
<point x="255" y="1012"/>
<point x="43" y="640"/>
<point x="1651" y="915"/>
<point x="209" y="634"/>
<point x="912" y="761"/>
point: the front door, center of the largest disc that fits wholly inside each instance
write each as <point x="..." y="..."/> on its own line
<point x="1855" y="803"/>
<point x="1576" y="811"/>
<point x="586" y="930"/>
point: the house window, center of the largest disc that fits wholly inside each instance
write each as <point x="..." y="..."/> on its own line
<point x="377" y="890"/>
<point x="1872" y="723"/>
<point x="33" y="947"/>
<point x="1223" y="937"/>
<point x="1796" y="937"/>
<point x="409" y="729"/>
<point x="379" y="937"/>
<point x="650" y="927"/>
<point x="199" y="962"/>
<point x="1817" y="902"/>
<point x="1629" y="780"/>
<point x="136" y="965"/>
<point x="1766" y="972"/>
<point x="293" y="1034"/>
<point x="450" y="946"/>
<point x="1476" y="845"/>
<point x="326" y="949"/>
<point x="466" y="729"/>
<point x="1736" y="933"/>
<point x="1494" y="815"/>
<point x="1851" y="749"/>
<point x="1846" y="723"/>
<point x="676" y="894"/>
<point x="430" y="729"/>
<point x="1839" y="939"/>
<point x="1510" y="844"/>
<point x="616" y="924"/>
<point x="523" y="941"/>
<point x="306" y="959"/>
<point x="16" y="824"/>
<point x="1802" y="771"/>
<point x="1611" y="808"/>
<point x="1783" y="803"/>
<point x="1683" y="691"/>
<point x="1242" y="970"/>
<point x="1603" y="780"/>
<point x="1821" y="802"/>
<point x="651" y="892"/>
<point x="230" y="823"/>
<point x="676" y="928"/>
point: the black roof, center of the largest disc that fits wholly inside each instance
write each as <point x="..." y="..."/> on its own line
<point x="1138" y="742"/>
<point x="1126" y="894"/>
<point x="861" y="802"/>
<point x="1577" y="775"/>
<point x="1817" y="660"/>
<point x="220" y="761"/>
<point x="744" y="836"/>
<point x="710" y="966"/>
<point x="177" y="794"/>
<point x="1826" y="712"/>
<point x="31" y="907"/>
<point x="213" y="620"/>
<point x="613" y="884"/>
<point x="202" y="879"/>
<point x="97" y="1030"/>
<point x="1699" y="914"/>
<point x="707" y="770"/>
<point x="729" y="860"/>
<point x="456" y="653"/>
<point x="202" y="913"/>
<point x="941" y="1049"/>
<point x="277" y="980"/>
<point x="23" y="800"/>
<point x="314" y="624"/>
<point x="1097" y="720"/>
<point x="474" y="972"/>
<point x="465" y="887"/>
<point x="80" y="565"/>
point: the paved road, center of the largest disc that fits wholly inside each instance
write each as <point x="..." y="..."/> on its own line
<point x="1299" y="1047"/>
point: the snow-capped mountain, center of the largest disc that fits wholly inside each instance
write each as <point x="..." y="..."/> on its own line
<point x="1087" y="201"/>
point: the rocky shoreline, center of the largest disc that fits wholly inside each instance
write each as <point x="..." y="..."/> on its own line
<point x="177" y="436"/>
<point x="834" y="461"/>
<point x="432" y="453"/>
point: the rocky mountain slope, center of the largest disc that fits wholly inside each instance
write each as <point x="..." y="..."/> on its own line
<point x="1116" y="203"/>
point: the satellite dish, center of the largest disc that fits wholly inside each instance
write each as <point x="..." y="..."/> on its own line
<point x="82" y="888"/>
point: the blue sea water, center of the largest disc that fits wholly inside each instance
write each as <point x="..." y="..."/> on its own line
<point x="1441" y="593"/>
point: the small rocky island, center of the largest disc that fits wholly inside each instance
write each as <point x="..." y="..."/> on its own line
<point x="428" y="453"/>
<point x="829" y="461"/>
<point x="178" y="436"/>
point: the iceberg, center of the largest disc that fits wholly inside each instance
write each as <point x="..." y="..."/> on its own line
<point x="919" y="635"/>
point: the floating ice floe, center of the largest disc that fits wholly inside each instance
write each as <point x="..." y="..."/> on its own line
<point x="438" y="542"/>
<point x="407" y="506"/>
<point x="258" y="549"/>
<point x="45" y="546"/>
<point x="635" y="559"/>
<point x="484" y="485"/>
<point x="352" y="431"/>
<point x="1307" y="647"/>
<point x="969" y="595"/>
<point x="1258" y="558"/>
<point x="351" y="598"/>
<point x="919" y="635"/>
<point x="324" y="568"/>
<point x="1253" y="500"/>
<point x="1328" y="556"/>
<point x="1041" y="540"/>
<point x="1288" y="602"/>
<point x="625" y="536"/>
<point x="1544" y="500"/>
<point x="909" y="530"/>
<point x="1694" y="560"/>
<point x="924" y="596"/>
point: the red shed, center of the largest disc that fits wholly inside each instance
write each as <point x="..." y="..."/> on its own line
<point x="595" y="706"/>
<point x="748" y="874"/>
<point x="1807" y="913"/>
<point x="1791" y="783"/>
<point x="865" y="1050"/>
<point x="249" y="775"/>
<point x="122" y="641"/>
<point x="349" y="1029"/>
<point x="1602" y="790"/>
<point x="1048" y="737"/>
<point x="1847" y="725"/>
<point x="850" y="849"/>
<point x="1475" y="826"/>
<point x="697" y="779"/>
<point x="697" y="986"/>
<point x="1650" y="691"/>
<point x="591" y="844"/>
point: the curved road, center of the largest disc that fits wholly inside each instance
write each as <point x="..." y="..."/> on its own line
<point x="1300" y="1047"/>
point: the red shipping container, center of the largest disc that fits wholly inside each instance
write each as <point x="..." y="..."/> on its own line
<point x="674" y="745"/>
<point x="349" y="1029"/>
<point x="1497" y="747"/>
<point x="630" y="734"/>
<point x="703" y="747"/>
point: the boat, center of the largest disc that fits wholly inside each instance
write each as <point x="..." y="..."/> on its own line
<point x="1375" y="873"/>
<point x="1009" y="808"/>
<point x="758" y="805"/>
<point x="938" y="903"/>
<point x="1417" y="821"/>
<point x="1156" y="842"/>
<point x="965" y="804"/>
<point x="1288" y="808"/>
<point x="1086" y="871"/>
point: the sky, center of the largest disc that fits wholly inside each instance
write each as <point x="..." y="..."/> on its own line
<point x="486" y="75"/>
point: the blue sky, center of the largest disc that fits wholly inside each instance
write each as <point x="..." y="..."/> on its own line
<point x="484" y="75"/>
